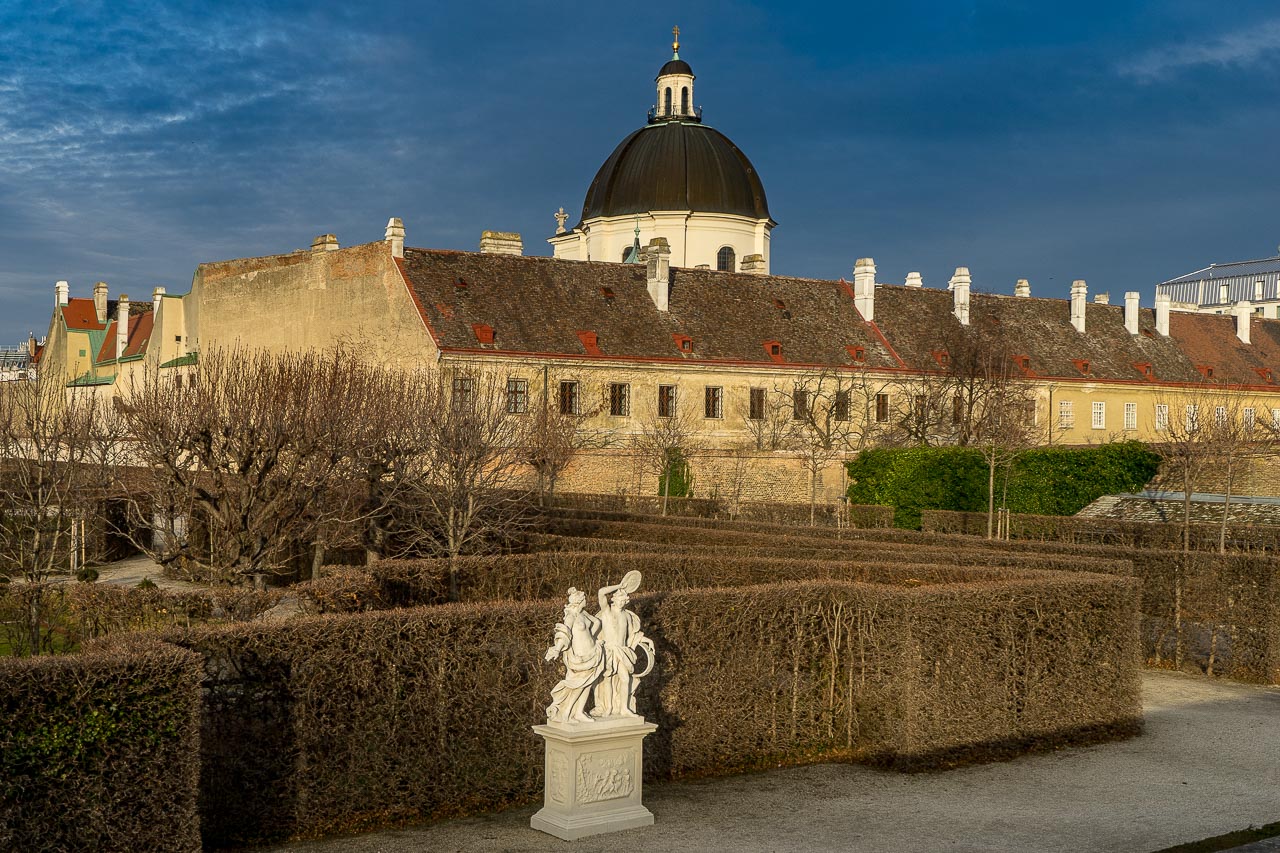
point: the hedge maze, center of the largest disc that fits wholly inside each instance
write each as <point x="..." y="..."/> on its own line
<point x="777" y="644"/>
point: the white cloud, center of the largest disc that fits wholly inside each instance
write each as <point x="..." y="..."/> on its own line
<point x="1241" y="48"/>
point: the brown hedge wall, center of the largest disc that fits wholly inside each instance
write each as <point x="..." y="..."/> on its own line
<point x="339" y="722"/>
<point x="770" y="512"/>
<point x="1105" y="531"/>
<point x="99" y="751"/>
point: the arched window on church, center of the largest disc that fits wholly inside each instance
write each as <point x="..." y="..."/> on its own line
<point x="667" y="103"/>
<point x="684" y="100"/>
<point x="725" y="259"/>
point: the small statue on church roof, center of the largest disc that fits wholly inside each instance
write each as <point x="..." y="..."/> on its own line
<point x="561" y="218"/>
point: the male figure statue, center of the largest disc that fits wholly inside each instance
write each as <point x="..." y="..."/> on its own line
<point x="578" y="641"/>
<point x="615" y="694"/>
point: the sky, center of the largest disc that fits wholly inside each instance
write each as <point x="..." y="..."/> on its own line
<point x="1119" y="142"/>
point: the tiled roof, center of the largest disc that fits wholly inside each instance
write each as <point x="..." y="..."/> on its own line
<point x="139" y="334"/>
<point x="80" y="314"/>
<point x="541" y="305"/>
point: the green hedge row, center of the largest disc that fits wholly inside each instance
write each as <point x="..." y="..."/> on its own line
<point x="1043" y="481"/>
<point x="100" y="751"/>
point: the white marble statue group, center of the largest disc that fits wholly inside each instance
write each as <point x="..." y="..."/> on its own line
<point x="599" y="655"/>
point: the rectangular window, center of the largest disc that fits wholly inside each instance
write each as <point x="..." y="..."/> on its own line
<point x="517" y="396"/>
<point x="1162" y="417"/>
<point x="1099" y="415"/>
<point x="713" y="406"/>
<point x="1220" y="415"/>
<point x="840" y="406"/>
<point x="1250" y="419"/>
<point x="882" y="408"/>
<point x="1130" y="415"/>
<point x="1192" y="418"/>
<point x="619" y="399"/>
<point x="756" y="412"/>
<point x="666" y="401"/>
<point x="800" y="403"/>
<point x="569" y="397"/>
<point x="1066" y="414"/>
<point x="463" y="392"/>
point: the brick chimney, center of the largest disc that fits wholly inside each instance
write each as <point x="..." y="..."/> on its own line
<point x="914" y="280"/>
<point x="1022" y="288"/>
<point x="61" y="293"/>
<point x="1079" y="296"/>
<point x="325" y="243"/>
<point x="959" y="286"/>
<point x="100" y="301"/>
<point x="1131" y="311"/>
<point x="1244" y="316"/>
<point x="657" y="260"/>
<point x="1102" y="299"/>
<point x="122" y="325"/>
<point x="864" y="288"/>
<point x="753" y="264"/>
<point x="1163" y="301"/>
<point x="394" y="235"/>
<point x="501" y="243"/>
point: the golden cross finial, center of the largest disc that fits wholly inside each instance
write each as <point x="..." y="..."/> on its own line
<point x="675" y="41"/>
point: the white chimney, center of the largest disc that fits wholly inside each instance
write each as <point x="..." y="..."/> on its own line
<point x="864" y="288"/>
<point x="657" y="258"/>
<point x="1022" y="288"/>
<point x="959" y="286"/>
<point x="753" y="264"/>
<point x="1131" y="298"/>
<point x="100" y="301"/>
<point x="1162" y="313"/>
<point x="1079" y="295"/>
<point x="501" y="243"/>
<point x="395" y="236"/>
<point x="1244" y="315"/>
<point x="157" y="297"/>
<point x="122" y="325"/>
<point x="325" y="243"/>
<point x="914" y="280"/>
<point x="61" y="293"/>
<point x="1102" y="299"/>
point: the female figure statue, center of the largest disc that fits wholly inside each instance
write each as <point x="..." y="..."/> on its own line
<point x="615" y="695"/>
<point x="578" y="641"/>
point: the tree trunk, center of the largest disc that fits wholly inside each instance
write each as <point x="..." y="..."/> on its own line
<point x="1226" y="511"/>
<point x="991" y="493"/>
<point x="813" y="495"/>
<point x="317" y="560"/>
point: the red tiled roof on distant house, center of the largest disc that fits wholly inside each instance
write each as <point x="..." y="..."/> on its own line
<point x="140" y="326"/>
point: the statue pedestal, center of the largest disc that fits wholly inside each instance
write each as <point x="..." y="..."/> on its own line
<point x="593" y="778"/>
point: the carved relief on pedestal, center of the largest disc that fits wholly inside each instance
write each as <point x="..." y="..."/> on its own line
<point x="604" y="776"/>
<point x="558" y="777"/>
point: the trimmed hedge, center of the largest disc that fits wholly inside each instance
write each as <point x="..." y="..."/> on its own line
<point x="99" y="751"/>
<point x="1046" y="480"/>
<point x="1106" y="531"/>
<point x="336" y="723"/>
<point x="771" y="512"/>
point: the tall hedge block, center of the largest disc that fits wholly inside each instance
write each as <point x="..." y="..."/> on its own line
<point x="100" y="751"/>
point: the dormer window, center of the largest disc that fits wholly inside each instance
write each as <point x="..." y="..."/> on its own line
<point x="858" y="354"/>
<point x="942" y="357"/>
<point x="1264" y="373"/>
<point x="1205" y="370"/>
<point x="774" y="350"/>
<point x="780" y="305"/>
<point x="684" y="343"/>
<point x="1143" y="367"/>
<point x="590" y="343"/>
<point x="607" y="292"/>
<point x="483" y="333"/>
<point x="460" y="283"/>
<point x="1082" y="365"/>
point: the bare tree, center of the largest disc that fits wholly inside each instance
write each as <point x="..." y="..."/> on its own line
<point x="251" y="446"/>
<point x="833" y="413"/>
<point x="472" y="459"/>
<point x="57" y="449"/>
<point x="663" y="446"/>
<point x="553" y="438"/>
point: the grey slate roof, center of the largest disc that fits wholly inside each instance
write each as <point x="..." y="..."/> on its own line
<point x="1204" y="287"/>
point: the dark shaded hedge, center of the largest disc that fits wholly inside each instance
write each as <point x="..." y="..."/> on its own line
<point x="335" y="723"/>
<point x="99" y="751"/>
<point x="1045" y="481"/>
<point x="1107" y="531"/>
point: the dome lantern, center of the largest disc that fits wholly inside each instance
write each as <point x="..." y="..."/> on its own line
<point x="675" y="88"/>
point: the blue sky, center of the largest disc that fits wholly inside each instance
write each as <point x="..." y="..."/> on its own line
<point x="1120" y="142"/>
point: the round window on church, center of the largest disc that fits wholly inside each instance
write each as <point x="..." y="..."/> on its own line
<point x="725" y="260"/>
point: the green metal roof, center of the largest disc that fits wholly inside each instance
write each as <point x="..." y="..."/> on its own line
<point x="182" y="361"/>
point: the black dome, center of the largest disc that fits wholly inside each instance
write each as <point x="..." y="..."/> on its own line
<point x="675" y="66"/>
<point x="675" y="165"/>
